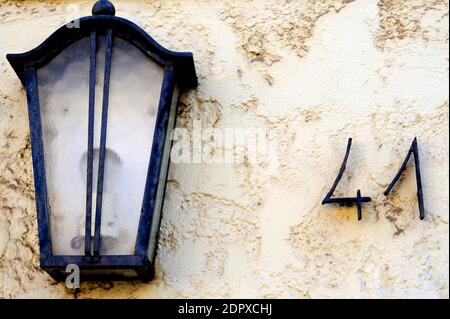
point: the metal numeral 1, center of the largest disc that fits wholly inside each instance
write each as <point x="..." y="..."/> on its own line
<point x="413" y="150"/>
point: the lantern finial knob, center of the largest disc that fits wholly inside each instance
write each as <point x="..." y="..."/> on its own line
<point x="103" y="7"/>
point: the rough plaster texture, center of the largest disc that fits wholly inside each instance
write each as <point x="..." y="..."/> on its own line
<point x="313" y="73"/>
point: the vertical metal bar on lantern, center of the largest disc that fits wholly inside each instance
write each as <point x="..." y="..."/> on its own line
<point x="101" y="161"/>
<point x="37" y="148"/>
<point x="90" y="151"/>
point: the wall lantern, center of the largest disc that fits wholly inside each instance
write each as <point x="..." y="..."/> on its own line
<point x="102" y="101"/>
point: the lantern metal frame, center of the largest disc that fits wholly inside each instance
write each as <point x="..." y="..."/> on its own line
<point x="179" y="71"/>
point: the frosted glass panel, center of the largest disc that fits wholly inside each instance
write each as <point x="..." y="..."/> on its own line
<point x="134" y="94"/>
<point x="63" y="94"/>
<point x="135" y="90"/>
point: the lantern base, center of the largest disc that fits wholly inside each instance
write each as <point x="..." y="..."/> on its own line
<point x="108" y="268"/>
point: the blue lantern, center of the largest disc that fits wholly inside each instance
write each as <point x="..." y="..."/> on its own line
<point x="102" y="101"/>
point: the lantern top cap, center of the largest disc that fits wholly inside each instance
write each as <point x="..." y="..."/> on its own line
<point x="104" y="18"/>
<point x="103" y="7"/>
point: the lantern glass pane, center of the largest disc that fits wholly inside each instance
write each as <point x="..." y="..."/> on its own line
<point x="134" y="95"/>
<point x="63" y="95"/>
<point x="135" y="89"/>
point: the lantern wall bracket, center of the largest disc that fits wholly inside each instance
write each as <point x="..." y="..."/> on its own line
<point x="329" y="199"/>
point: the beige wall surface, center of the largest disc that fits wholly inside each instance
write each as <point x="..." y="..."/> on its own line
<point x="311" y="73"/>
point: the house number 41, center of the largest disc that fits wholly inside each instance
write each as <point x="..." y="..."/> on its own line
<point x="358" y="200"/>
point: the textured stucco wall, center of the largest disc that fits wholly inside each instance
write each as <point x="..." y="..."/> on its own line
<point x="312" y="73"/>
